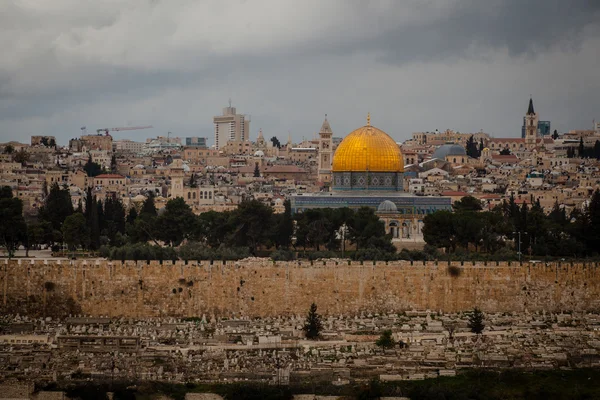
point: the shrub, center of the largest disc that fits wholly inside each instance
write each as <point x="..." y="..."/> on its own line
<point x="141" y="251"/>
<point x="374" y="254"/>
<point x="282" y="255"/>
<point x="200" y="251"/>
<point x="315" y="255"/>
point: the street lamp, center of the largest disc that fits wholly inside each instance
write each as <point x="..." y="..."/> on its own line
<point x="519" y="250"/>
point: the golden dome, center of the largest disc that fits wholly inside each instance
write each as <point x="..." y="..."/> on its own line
<point x="368" y="148"/>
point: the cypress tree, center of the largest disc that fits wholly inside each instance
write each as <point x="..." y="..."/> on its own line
<point x="313" y="326"/>
<point x="475" y="323"/>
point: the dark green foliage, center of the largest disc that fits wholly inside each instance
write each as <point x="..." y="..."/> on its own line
<point x="282" y="236"/>
<point x="76" y="232"/>
<point x="475" y="323"/>
<point x="505" y="152"/>
<point x="256" y="171"/>
<point x="472" y="149"/>
<point x="200" y="251"/>
<point x="9" y="149"/>
<point x="276" y="142"/>
<point x="91" y="168"/>
<point x="312" y="326"/>
<point x="148" y="206"/>
<point x="386" y="340"/>
<point x="252" y="224"/>
<point x="282" y="255"/>
<point x="113" y="224"/>
<point x="57" y="207"/>
<point x="21" y="156"/>
<point x="554" y="235"/>
<point x="12" y="226"/>
<point x="138" y="251"/>
<point x="467" y="203"/>
<point x="176" y="223"/>
<point x="555" y="135"/>
<point x="113" y="163"/>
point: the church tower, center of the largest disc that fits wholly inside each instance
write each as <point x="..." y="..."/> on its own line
<point x="531" y="126"/>
<point x="325" y="152"/>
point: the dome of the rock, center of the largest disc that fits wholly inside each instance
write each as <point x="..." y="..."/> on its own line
<point x="368" y="159"/>
<point x="368" y="149"/>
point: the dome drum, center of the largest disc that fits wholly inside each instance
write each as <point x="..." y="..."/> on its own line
<point x="365" y="180"/>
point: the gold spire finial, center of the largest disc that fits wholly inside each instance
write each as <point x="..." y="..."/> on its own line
<point x="369" y="119"/>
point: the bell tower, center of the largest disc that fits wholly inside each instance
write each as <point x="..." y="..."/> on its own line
<point x="531" y="126"/>
<point x="325" y="152"/>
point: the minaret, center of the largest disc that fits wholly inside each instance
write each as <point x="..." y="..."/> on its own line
<point x="177" y="175"/>
<point x="325" y="152"/>
<point x="531" y="126"/>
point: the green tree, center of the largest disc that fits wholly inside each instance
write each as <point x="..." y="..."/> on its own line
<point x="365" y="225"/>
<point x="176" y="223"/>
<point x="285" y="227"/>
<point x="91" y="168"/>
<point x="256" y="171"/>
<point x="113" y="164"/>
<point x="57" y="206"/>
<point x="252" y="224"/>
<point x="114" y="220"/>
<point x="467" y="203"/>
<point x="386" y="340"/>
<point x="475" y="323"/>
<point x="12" y="228"/>
<point x="555" y="135"/>
<point x="214" y="228"/>
<point x="193" y="181"/>
<point x="132" y="215"/>
<point x="92" y="219"/>
<point x="75" y="231"/>
<point x="581" y="149"/>
<point x="148" y="207"/>
<point x="9" y="149"/>
<point x="505" y="152"/>
<point x="312" y="326"/>
<point x="471" y="148"/>
<point x="21" y="156"/>
<point x="439" y="230"/>
<point x="276" y="142"/>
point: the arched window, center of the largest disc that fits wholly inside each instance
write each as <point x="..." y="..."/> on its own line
<point x="189" y="195"/>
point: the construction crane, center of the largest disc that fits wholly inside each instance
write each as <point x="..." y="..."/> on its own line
<point x="128" y="128"/>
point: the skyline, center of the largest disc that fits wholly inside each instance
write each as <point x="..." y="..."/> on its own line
<point x="416" y="67"/>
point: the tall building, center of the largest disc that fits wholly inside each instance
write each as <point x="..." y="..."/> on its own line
<point x="325" y="152"/>
<point x="543" y="128"/>
<point x="231" y="126"/>
<point x="531" y="123"/>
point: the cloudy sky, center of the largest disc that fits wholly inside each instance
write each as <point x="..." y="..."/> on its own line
<point x="414" y="64"/>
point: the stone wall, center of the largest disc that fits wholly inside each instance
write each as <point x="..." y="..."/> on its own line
<point x="261" y="287"/>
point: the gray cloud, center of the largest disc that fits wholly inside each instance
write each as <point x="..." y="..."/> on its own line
<point x="416" y="65"/>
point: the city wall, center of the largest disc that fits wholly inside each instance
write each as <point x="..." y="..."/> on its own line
<point x="261" y="287"/>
